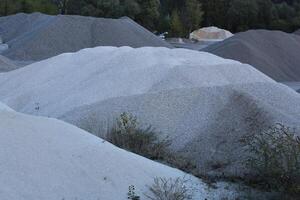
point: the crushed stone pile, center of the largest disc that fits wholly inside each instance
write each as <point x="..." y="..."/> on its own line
<point x="48" y="159"/>
<point x="6" y="64"/>
<point x="201" y="101"/>
<point x="34" y="37"/>
<point x="3" y="47"/>
<point x="211" y="33"/>
<point x="274" y="53"/>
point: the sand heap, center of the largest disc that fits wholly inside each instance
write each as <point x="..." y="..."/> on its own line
<point x="201" y="101"/>
<point x="33" y="37"/>
<point x="274" y="53"/>
<point x="211" y="33"/>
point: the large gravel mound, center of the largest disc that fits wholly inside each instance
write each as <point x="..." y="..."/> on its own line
<point x="274" y="53"/>
<point x="205" y="124"/>
<point x="37" y="36"/>
<point x="106" y="72"/>
<point x="203" y="102"/>
<point x="49" y="159"/>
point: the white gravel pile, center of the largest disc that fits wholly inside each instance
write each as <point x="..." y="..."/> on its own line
<point x="203" y="102"/>
<point x="36" y="36"/>
<point x="48" y="159"/>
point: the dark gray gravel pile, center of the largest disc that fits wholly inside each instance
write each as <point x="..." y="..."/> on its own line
<point x="33" y="37"/>
<point x="274" y="53"/>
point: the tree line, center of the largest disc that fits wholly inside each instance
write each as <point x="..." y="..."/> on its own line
<point x="177" y="17"/>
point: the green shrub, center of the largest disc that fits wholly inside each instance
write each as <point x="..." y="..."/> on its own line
<point x="274" y="157"/>
<point x="127" y="135"/>
<point x="169" y="189"/>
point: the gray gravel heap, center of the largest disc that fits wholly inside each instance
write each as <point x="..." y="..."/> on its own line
<point x="6" y="64"/>
<point x="205" y="124"/>
<point x="297" y="32"/>
<point x="204" y="103"/>
<point x="274" y="53"/>
<point x="33" y="37"/>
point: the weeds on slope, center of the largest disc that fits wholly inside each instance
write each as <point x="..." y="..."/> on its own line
<point x="274" y="158"/>
<point x="273" y="154"/>
<point x="127" y="133"/>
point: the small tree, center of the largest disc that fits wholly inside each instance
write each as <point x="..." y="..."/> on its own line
<point x="25" y="6"/>
<point x="176" y="26"/>
<point x="274" y="156"/>
<point x="149" y="13"/>
<point x="128" y="135"/>
<point x="62" y="5"/>
<point x="194" y="14"/>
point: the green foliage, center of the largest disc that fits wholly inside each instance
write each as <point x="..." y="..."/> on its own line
<point x="274" y="157"/>
<point x="194" y="13"/>
<point x="62" y="5"/>
<point x="215" y="12"/>
<point x="176" y="27"/>
<point x="169" y="189"/>
<point x="8" y="7"/>
<point x="131" y="8"/>
<point x="109" y="8"/>
<point x="242" y="14"/>
<point x="265" y="13"/>
<point x="175" y="16"/>
<point x="149" y="14"/>
<point x="127" y="135"/>
<point x="131" y="193"/>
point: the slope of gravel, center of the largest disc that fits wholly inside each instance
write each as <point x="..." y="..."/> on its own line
<point x="6" y="64"/>
<point x="274" y="53"/>
<point x="36" y="36"/>
<point x="294" y="85"/>
<point x="297" y="32"/>
<point x="200" y="100"/>
<point x="205" y="124"/>
<point x="48" y="159"/>
<point x="188" y="44"/>
<point x="100" y="73"/>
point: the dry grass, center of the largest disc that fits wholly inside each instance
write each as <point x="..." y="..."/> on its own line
<point x="169" y="189"/>
<point x="128" y="135"/>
